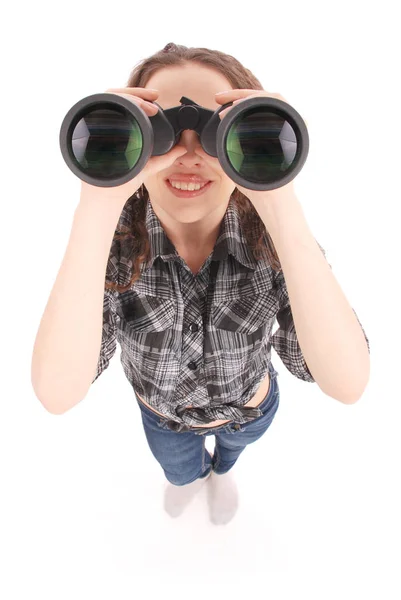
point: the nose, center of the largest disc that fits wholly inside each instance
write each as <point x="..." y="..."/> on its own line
<point x="189" y="139"/>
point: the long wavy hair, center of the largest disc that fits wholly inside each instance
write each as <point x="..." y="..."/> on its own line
<point x="135" y="239"/>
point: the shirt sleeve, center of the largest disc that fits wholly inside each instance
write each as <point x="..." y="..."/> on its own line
<point x="109" y="328"/>
<point x="284" y="340"/>
<point x="109" y="341"/>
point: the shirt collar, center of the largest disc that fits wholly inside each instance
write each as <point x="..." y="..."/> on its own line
<point x="231" y="239"/>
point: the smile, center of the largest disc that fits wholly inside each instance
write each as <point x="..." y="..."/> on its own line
<point x="188" y="193"/>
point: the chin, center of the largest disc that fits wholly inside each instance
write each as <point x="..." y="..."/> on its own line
<point x="187" y="214"/>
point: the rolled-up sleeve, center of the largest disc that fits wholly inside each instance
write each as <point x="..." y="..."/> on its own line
<point x="109" y="341"/>
<point x="110" y="317"/>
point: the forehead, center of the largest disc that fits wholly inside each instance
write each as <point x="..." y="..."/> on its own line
<point x="198" y="82"/>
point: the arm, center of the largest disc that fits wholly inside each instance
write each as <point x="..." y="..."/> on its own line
<point x="68" y="343"/>
<point x="329" y="334"/>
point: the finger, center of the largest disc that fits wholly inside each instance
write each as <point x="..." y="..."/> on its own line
<point x="235" y="92"/>
<point x="223" y="113"/>
<point x="140" y="101"/>
<point x="227" y="95"/>
<point x="235" y="103"/>
<point x="135" y="91"/>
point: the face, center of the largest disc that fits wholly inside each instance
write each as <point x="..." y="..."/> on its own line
<point x="200" y="84"/>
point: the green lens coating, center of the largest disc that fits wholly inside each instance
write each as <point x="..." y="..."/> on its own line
<point x="261" y="145"/>
<point x="106" y="142"/>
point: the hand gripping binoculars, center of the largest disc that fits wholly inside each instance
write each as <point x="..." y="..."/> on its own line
<point x="261" y="143"/>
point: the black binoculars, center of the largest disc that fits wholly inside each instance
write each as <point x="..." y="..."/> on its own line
<point x="261" y="143"/>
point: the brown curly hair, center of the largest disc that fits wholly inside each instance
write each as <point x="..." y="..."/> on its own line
<point x="136" y="241"/>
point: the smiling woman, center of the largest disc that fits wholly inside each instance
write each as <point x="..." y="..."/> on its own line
<point x="193" y="288"/>
<point x="200" y="74"/>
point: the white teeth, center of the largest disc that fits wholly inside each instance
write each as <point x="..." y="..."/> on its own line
<point x="180" y="185"/>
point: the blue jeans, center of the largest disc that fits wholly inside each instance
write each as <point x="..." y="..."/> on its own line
<point x="182" y="454"/>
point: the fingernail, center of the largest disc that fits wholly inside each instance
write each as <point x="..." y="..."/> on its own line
<point x="219" y="93"/>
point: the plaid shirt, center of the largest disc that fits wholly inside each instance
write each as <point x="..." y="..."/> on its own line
<point x="201" y="340"/>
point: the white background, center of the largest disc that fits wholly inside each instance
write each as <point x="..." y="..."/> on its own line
<point x="81" y="507"/>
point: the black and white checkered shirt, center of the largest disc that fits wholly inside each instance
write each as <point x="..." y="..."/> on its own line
<point x="201" y="340"/>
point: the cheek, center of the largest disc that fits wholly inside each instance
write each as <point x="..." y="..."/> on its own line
<point x="228" y="183"/>
<point x="150" y="182"/>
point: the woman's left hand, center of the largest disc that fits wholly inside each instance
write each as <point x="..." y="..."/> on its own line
<point x="239" y="95"/>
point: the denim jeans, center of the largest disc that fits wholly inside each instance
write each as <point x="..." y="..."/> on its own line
<point x="182" y="454"/>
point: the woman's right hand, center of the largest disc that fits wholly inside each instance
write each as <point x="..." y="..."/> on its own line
<point x="144" y="98"/>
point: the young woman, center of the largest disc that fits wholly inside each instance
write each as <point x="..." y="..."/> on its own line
<point x="194" y="284"/>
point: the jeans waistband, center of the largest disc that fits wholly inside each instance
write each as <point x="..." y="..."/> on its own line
<point x="179" y="427"/>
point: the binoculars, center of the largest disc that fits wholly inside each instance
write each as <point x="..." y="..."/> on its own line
<point x="261" y="143"/>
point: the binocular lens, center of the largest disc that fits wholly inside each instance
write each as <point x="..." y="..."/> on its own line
<point x="261" y="145"/>
<point x="106" y="142"/>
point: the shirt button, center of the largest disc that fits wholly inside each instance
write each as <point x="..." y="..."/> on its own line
<point x="193" y="328"/>
<point x="192" y="365"/>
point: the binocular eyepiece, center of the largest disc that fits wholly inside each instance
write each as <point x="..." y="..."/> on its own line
<point x="261" y="143"/>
